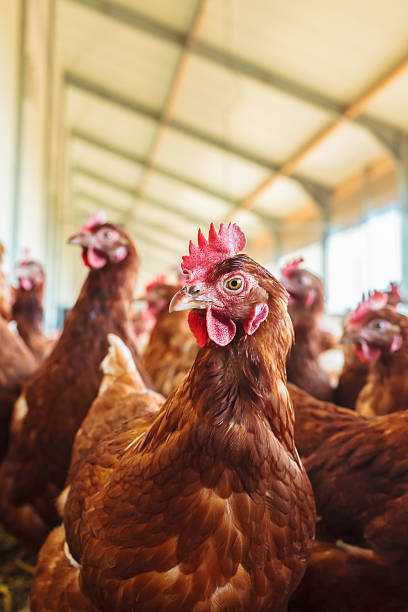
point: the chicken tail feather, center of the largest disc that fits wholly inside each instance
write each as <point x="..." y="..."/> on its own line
<point x="118" y="362"/>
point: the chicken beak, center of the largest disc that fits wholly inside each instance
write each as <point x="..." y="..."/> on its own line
<point x="184" y="301"/>
<point x="350" y="336"/>
<point x="83" y="239"/>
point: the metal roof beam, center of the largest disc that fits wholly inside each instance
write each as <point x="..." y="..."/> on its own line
<point x="157" y="167"/>
<point x="139" y="21"/>
<point x="168" y="207"/>
<point x="352" y="112"/>
<point x="173" y="91"/>
<point x="104" y="145"/>
<point x="133" y="106"/>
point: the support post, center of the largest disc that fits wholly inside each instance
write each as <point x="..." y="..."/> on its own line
<point x="403" y="199"/>
<point x="19" y="131"/>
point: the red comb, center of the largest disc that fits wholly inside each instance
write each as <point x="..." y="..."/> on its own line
<point x="374" y="301"/>
<point x="293" y="265"/>
<point x="98" y="218"/>
<point x="156" y="281"/>
<point x="228" y="242"/>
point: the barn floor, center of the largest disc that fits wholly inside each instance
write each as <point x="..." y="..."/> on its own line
<point x="16" y="573"/>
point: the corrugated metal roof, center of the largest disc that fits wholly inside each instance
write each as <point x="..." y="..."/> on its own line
<point x="182" y="113"/>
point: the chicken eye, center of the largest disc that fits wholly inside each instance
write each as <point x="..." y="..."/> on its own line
<point x="234" y="285"/>
<point x="380" y="325"/>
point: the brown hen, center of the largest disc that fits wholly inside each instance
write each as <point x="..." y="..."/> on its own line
<point x="306" y="303"/>
<point x="381" y="338"/>
<point x="355" y="368"/>
<point x="17" y="364"/>
<point x="56" y="399"/>
<point x="315" y="421"/>
<point x="28" y="311"/>
<point x="208" y="508"/>
<point x="171" y="349"/>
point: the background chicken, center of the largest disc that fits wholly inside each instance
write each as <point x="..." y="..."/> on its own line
<point x="28" y="311"/>
<point x="171" y="349"/>
<point x="17" y="364"/>
<point x="56" y="399"/>
<point x="210" y="506"/>
<point x="355" y="371"/>
<point x="5" y="289"/>
<point x="342" y="578"/>
<point x="380" y="335"/>
<point x="315" y="421"/>
<point x="306" y="304"/>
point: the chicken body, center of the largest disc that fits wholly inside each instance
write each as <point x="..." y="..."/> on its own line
<point x="352" y="379"/>
<point x="17" y="364"/>
<point x="5" y="290"/>
<point x="316" y="421"/>
<point x="359" y="474"/>
<point x="360" y="481"/>
<point x="172" y="348"/>
<point x="383" y="335"/>
<point x="306" y="303"/>
<point x="340" y="578"/>
<point x="209" y="507"/>
<point x="56" y="399"/>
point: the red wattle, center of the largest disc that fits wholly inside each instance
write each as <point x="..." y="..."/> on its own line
<point x="366" y="352"/>
<point x="220" y="328"/>
<point x="94" y="259"/>
<point x="198" y="327"/>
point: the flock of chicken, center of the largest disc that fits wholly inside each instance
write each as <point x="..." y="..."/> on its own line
<point x="195" y="477"/>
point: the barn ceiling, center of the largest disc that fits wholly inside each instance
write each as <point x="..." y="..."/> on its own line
<point x="186" y="112"/>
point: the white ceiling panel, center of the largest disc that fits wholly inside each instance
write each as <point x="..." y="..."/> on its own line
<point x="221" y="171"/>
<point x="92" y="187"/>
<point x="185" y="198"/>
<point x="346" y="152"/>
<point x="122" y="128"/>
<point x="282" y="198"/>
<point x="177" y="14"/>
<point x="250" y="223"/>
<point x="85" y="207"/>
<point x="391" y="105"/>
<point x="255" y="116"/>
<point x="147" y="211"/>
<point x="107" y="164"/>
<point x="339" y="47"/>
<point x="115" y="55"/>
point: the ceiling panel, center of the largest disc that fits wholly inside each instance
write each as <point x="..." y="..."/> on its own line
<point x="338" y="48"/>
<point x="147" y="211"/>
<point x="209" y="165"/>
<point x="349" y="150"/>
<point x="110" y="166"/>
<point x="250" y="223"/>
<point x="85" y="207"/>
<point x="391" y="105"/>
<point x="92" y="187"/>
<point x="121" y="58"/>
<point x="121" y="128"/>
<point x="282" y="198"/>
<point x="177" y="14"/>
<point x="185" y="198"/>
<point x="242" y="111"/>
